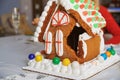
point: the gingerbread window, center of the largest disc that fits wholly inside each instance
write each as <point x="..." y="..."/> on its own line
<point x="60" y="18"/>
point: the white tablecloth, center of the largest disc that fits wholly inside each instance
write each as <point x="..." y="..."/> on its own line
<point x="13" y="56"/>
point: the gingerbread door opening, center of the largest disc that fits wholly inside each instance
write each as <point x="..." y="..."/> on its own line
<point x="73" y="38"/>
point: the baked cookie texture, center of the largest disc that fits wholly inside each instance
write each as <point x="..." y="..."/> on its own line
<point x="71" y="29"/>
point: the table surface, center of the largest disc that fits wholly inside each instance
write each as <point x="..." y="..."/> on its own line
<point x="13" y="56"/>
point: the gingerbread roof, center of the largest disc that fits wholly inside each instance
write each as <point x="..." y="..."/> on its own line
<point x="86" y="9"/>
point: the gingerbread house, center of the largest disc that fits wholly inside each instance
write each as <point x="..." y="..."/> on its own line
<point x="71" y="29"/>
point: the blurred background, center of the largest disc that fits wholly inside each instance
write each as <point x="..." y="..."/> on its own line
<point x="30" y="9"/>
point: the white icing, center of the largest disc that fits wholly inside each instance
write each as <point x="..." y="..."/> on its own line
<point x="56" y="68"/>
<point x="44" y="13"/>
<point x="64" y="69"/>
<point x="102" y="44"/>
<point x="37" y="65"/>
<point x="100" y="59"/>
<point x="42" y="18"/>
<point x="35" y="39"/>
<point x="59" y="42"/>
<point x="40" y="23"/>
<point x="37" y="53"/>
<point x="69" y="71"/>
<point x="46" y="8"/>
<point x="36" y="34"/>
<point x="38" y="30"/>
<point x="77" y="25"/>
<point x="48" y="43"/>
<point x="75" y="67"/>
<point x="31" y="63"/>
<point x="49" y="3"/>
<point x="83" y="37"/>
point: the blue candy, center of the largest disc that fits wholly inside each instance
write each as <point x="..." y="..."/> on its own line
<point x="31" y="56"/>
<point x="104" y="56"/>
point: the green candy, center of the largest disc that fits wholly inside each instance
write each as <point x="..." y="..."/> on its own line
<point x="96" y="25"/>
<point x="112" y="51"/>
<point x="81" y="1"/>
<point x="72" y="1"/>
<point x="86" y="6"/>
<point x="76" y="6"/>
<point x="56" y="60"/>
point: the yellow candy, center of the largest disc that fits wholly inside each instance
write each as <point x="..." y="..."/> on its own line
<point x="38" y="58"/>
<point x="66" y="62"/>
<point x="108" y="53"/>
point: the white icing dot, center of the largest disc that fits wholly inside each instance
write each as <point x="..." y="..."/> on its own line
<point x="42" y="18"/>
<point x="36" y="34"/>
<point x="38" y="29"/>
<point x="100" y="59"/>
<point x="37" y="53"/>
<point x="49" y="3"/>
<point x="46" y="8"/>
<point x="44" y="13"/>
<point x="40" y="24"/>
<point x="35" y="39"/>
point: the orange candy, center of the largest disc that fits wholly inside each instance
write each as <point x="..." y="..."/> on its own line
<point x="108" y="53"/>
<point x="85" y="13"/>
<point x="77" y="1"/>
<point x="89" y="19"/>
<point x="82" y="6"/>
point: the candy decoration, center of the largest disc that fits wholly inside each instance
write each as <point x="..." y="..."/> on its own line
<point x="66" y="62"/>
<point x="108" y="49"/>
<point x="31" y="56"/>
<point x="72" y="1"/>
<point x="95" y="25"/>
<point x="82" y="6"/>
<point x="81" y="1"/>
<point x="38" y="58"/>
<point x="89" y="19"/>
<point x="85" y="13"/>
<point x="104" y="56"/>
<point x="56" y="60"/>
<point x="76" y="6"/>
<point x="76" y="1"/>
<point x="112" y="51"/>
<point x="108" y="53"/>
